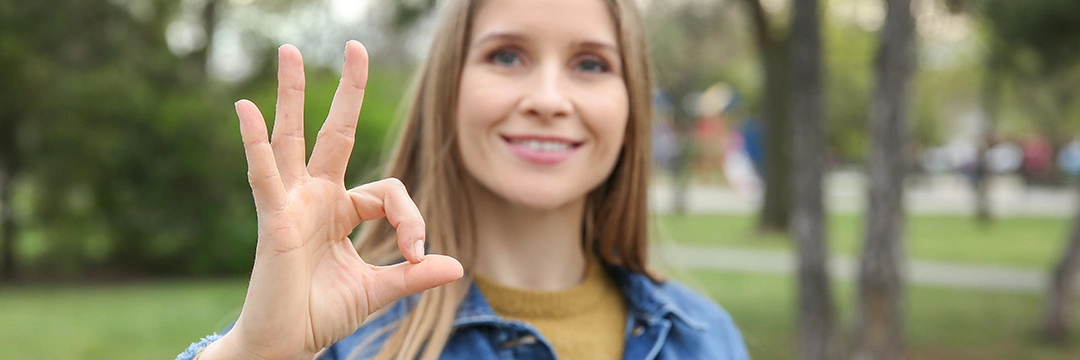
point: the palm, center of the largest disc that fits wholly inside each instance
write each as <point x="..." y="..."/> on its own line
<point x="309" y="288"/>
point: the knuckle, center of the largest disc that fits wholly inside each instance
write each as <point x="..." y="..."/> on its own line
<point x="288" y="135"/>
<point x="251" y="143"/>
<point x="255" y="179"/>
<point x="394" y="183"/>
<point x="418" y="222"/>
<point x="293" y="83"/>
<point x="345" y="131"/>
<point x="357" y="82"/>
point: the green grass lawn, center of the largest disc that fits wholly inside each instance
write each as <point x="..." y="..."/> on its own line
<point x="158" y="320"/>
<point x="131" y="321"/>
<point x="941" y="324"/>
<point x="1026" y="242"/>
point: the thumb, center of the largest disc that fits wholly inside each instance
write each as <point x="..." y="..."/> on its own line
<point x="396" y="281"/>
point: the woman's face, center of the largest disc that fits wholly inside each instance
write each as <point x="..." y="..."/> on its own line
<point x="542" y="105"/>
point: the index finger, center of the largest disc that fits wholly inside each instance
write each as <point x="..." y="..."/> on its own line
<point x="389" y="198"/>
<point x="262" y="170"/>
<point x="335" y="141"/>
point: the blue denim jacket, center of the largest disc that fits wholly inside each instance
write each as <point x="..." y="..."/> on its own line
<point x="665" y="321"/>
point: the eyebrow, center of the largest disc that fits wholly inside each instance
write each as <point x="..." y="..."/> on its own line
<point x="597" y="45"/>
<point x="520" y="37"/>
<point x="505" y="36"/>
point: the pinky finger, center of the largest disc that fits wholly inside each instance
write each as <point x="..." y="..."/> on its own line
<point x="262" y="169"/>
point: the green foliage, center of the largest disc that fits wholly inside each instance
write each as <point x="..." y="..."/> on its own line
<point x="1034" y="47"/>
<point x="848" y="53"/>
<point x="1048" y="28"/>
<point x="694" y="46"/>
<point x="132" y="161"/>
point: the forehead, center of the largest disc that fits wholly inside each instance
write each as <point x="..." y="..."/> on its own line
<point x="571" y="20"/>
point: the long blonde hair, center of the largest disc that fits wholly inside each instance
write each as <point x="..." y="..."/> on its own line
<point x="426" y="158"/>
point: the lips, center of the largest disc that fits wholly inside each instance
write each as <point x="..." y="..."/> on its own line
<point x="542" y="150"/>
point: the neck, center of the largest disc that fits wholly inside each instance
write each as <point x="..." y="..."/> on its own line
<point x="528" y="248"/>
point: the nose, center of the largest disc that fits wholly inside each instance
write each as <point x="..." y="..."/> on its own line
<point x="546" y="96"/>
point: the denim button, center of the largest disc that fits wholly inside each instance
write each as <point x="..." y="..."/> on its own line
<point x="638" y="330"/>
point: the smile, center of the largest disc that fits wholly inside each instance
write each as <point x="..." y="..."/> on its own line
<point x="543" y="145"/>
<point x="542" y="150"/>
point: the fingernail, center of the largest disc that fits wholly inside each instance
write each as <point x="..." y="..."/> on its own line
<point x="418" y="249"/>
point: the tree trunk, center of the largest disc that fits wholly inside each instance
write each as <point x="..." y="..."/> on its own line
<point x="8" y="169"/>
<point x="879" y="318"/>
<point x="990" y="99"/>
<point x="199" y="59"/>
<point x="808" y="216"/>
<point x="1057" y="322"/>
<point x="776" y="205"/>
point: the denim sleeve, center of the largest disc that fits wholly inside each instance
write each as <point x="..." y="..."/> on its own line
<point x="197" y="347"/>
<point x="733" y="337"/>
<point x="710" y="332"/>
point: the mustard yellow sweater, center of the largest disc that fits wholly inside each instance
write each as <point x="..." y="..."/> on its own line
<point x="586" y="321"/>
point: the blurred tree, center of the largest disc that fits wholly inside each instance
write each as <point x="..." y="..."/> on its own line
<point x="1041" y="43"/>
<point x="692" y="47"/>
<point x="773" y="46"/>
<point x="1057" y="323"/>
<point x="993" y="69"/>
<point x="808" y="216"/>
<point x="991" y="99"/>
<point x="120" y="155"/>
<point x="879" y="325"/>
<point x="97" y="110"/>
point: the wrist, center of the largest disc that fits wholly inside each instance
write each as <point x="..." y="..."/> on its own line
<point x="224" y="348"/>
<point x="229" y="346"/>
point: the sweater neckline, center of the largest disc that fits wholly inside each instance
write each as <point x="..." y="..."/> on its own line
<point x="516" y="302"/>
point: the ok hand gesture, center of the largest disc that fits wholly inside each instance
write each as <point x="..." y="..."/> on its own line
<point x="309" y="288"/>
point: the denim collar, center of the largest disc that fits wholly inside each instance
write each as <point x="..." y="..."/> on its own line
<point x="647" y="301"/>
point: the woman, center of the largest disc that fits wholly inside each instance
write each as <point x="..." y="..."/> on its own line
<point x="526" y="151"/>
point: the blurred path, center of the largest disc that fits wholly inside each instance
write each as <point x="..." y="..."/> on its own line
<point x="952" y="275"/>
<point x="845" y="192"/>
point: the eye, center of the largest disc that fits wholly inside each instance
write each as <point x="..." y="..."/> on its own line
<point x="593" y="65"/>
<point x="505" y="57"/>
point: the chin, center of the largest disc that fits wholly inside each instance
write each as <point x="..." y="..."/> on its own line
<point x="544" y="201"/>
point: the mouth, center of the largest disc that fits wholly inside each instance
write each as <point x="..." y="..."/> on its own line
<point x="542" y="143"/>
<point x="542" y="150"/>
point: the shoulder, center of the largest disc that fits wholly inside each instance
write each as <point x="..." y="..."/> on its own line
<point x="693" y="304"/>
<point x="706" y="326"/>
<point x="698" y="325"/>
<point x="670" y="297"/>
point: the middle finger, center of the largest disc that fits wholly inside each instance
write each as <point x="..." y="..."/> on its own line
<point x="288" y="138"/>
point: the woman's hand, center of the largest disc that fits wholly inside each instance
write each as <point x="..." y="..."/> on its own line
<point x="309" y="288"/>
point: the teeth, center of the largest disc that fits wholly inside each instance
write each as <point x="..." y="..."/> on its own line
<point x="547" y="146"/>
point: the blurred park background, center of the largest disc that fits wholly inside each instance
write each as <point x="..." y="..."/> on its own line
<point x="128" y="228"/>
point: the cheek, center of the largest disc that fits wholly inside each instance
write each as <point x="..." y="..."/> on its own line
<point x="481" y="101"/>
<point x="479" y="109"/>
<point x="471" y="113"/>
<point x="612" y="115"/>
